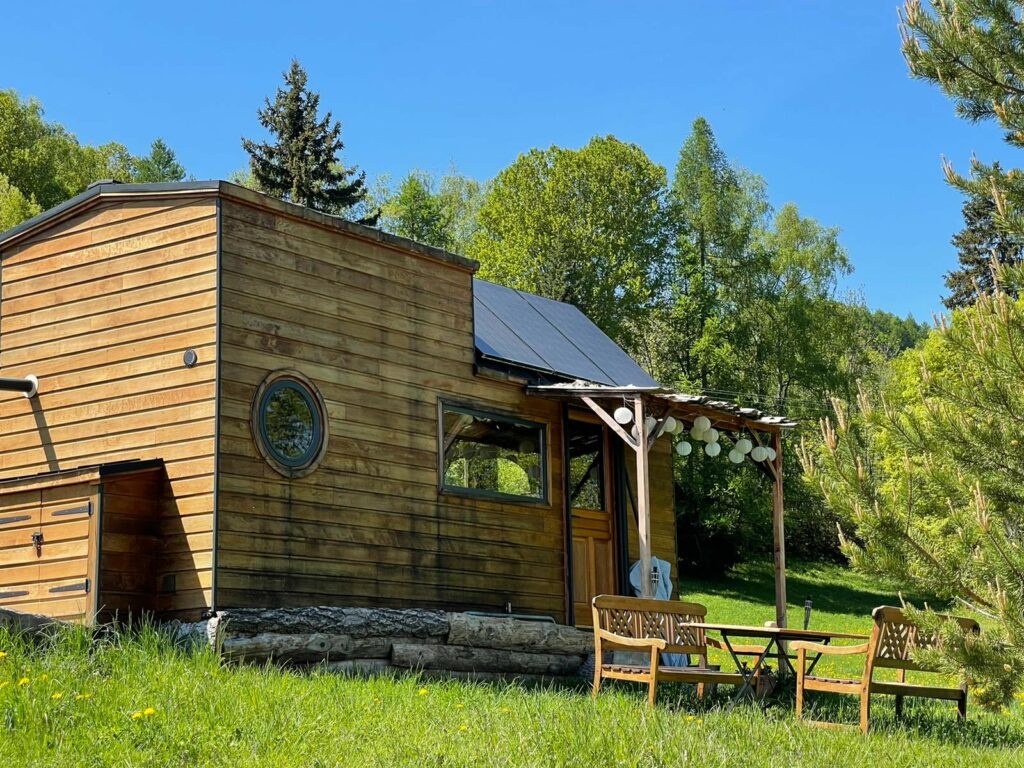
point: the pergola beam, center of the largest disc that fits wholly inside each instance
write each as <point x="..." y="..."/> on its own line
<point x="643" y="499"/>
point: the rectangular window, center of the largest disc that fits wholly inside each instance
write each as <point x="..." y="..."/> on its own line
<point x="487" y="454"/>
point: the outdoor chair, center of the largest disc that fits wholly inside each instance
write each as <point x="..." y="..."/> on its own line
<point x="891" y="646"/>
<point x="655" y="626"/>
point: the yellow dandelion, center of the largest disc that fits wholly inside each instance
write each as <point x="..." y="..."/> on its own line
<point x="460" y="705"/>
<point x="423" y="691"/>
<point x="24" y="681"/>
<point x="4" y="683"/>
<point x="699" y="721"/>
<point x="136" y="715"/>
<point x="43" y="678"/>
<point x="504" y="710"/>
<point x="463" y="727"/>
<point x="690" y="718"/>
<point x="57" y="695"/>
<point x="149" y="712"/>
<point x="83" y="696"/>
<point x="3" y="654"/>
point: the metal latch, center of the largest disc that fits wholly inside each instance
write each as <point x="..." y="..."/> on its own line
<point x="37" y="542"/>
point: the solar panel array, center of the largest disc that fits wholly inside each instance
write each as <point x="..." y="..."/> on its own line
<point x="524" y="330"/>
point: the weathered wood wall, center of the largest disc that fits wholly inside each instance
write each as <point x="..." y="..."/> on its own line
<point x="383" y="333"/>
<point x="101" y="307"/>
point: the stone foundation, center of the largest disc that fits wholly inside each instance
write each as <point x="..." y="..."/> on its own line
<point x="365" y="641"/>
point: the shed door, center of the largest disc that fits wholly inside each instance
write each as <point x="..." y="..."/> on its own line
<point x="19" y="566"/>
<point x="48" y="555"/>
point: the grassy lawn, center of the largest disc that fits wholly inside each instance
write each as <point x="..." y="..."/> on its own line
<point x="140" y="702"/>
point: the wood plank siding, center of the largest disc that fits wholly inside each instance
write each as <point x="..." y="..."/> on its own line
<point x="383" y="333"/>
<point x="101" y="306"/>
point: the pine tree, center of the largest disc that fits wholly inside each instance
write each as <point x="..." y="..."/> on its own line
<point x="978" y="243"/>
<point x="302" y="166"/>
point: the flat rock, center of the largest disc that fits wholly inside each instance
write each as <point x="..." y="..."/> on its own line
<point x="353" y="622"/>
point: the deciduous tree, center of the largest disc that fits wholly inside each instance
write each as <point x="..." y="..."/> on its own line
<point x="584" y="226"/>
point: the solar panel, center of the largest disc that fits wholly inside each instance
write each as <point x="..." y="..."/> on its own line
<point x="520" y="328"/>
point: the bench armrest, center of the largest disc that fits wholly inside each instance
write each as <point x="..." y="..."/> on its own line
<point x="828" y="650"/>
<point x="632" y="642"/>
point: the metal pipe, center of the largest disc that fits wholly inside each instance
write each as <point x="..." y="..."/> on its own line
<point x="28" y="386"/>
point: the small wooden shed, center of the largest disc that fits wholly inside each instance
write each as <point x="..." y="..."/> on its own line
<point x="238" y="402"/>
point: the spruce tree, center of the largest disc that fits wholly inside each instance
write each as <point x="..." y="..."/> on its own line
<point x="302" y="165"/>
<point x="978" y="243"/>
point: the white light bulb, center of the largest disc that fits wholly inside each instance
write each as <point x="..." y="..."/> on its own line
<point x="683" y="448"/>
<point x="713" y="449"/>
<point x="623" y="415"/>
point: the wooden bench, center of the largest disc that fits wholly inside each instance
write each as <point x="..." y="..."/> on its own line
<point x="656" y="627"/>
<point x="893" y="642"/>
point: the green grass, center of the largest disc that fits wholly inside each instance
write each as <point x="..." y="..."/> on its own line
<point x="211" y="715"/>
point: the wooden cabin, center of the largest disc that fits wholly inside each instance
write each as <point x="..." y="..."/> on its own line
<point x="233" y="401"/>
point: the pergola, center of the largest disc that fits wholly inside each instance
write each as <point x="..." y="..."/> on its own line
<point x="658" y="403"/>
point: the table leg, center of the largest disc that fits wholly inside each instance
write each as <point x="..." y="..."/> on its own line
<point x="746" y="688"/>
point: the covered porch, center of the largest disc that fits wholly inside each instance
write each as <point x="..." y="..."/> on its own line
<point x="638" y="416"/>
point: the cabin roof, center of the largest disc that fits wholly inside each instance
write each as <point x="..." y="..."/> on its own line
<point x="548" y="337"/>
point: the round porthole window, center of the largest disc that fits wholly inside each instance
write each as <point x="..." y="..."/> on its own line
<point x="289" y="423"/>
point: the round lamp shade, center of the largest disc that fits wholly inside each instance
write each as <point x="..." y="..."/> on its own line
<point x="744" y="446"/>
<point x="695" y="433"/>
<point x="736" y="457"/>
<point x="649" y="424"/>
<point x="702" y="423"/>
<point x="771" y="454"/>
<point x="670" y="425"/>
<point x="711" y="436"/>
<point x="623" y="415"/>
<point x="760" y="453"/>
<point x="683" y="448"/>
<point x="713" y="449"/>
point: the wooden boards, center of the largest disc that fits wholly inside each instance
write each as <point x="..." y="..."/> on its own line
<point x="101" y="307"/>
<point x="384" y="334"/>
<point x="48" y="554"/>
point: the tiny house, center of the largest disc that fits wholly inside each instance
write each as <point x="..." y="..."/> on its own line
<point x="232" y="401"/>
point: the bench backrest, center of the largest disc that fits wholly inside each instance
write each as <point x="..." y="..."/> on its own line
<point x="638" y="618"/>
<point x="894" y="639"/>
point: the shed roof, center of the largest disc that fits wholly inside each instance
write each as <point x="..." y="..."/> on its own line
<point x="550" y="337"/>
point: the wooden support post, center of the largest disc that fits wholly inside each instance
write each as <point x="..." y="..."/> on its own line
<point x="779" y="533"/>
<point x="643" y="498"/>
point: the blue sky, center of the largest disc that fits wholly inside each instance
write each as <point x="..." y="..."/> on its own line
<point x="814" y="96"/>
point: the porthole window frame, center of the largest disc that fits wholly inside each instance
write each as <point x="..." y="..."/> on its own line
<point x="307" y="390"/>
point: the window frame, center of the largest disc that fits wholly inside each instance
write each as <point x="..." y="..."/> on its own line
<point x="444" y="406"/>
<point x="274" y="382"/>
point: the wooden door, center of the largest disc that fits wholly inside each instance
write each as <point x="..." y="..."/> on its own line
<point x="48" y="552"/>
<point x="19" y="565"/>
<point x="593" y="519"/>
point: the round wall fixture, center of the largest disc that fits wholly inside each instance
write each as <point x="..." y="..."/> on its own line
<point x="289" y="423"/>
<point x="190" y="358"/>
